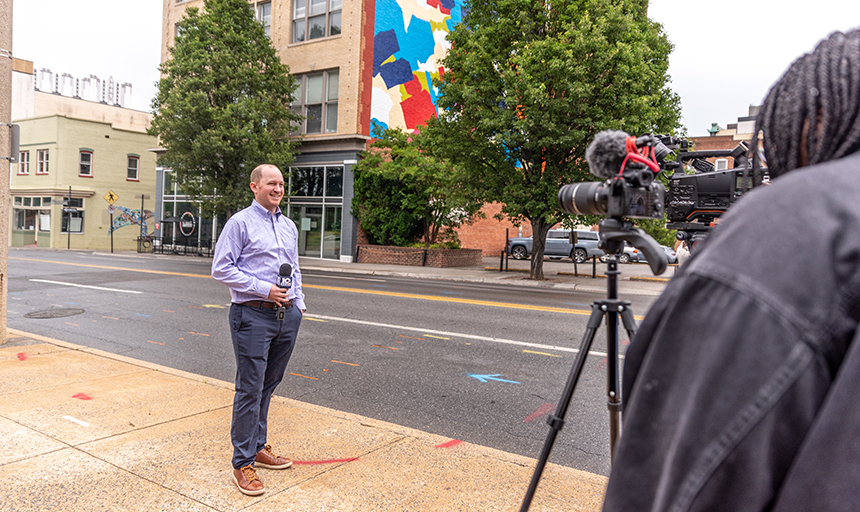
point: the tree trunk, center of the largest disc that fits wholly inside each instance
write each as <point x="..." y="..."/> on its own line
<point x="540" y="228"/>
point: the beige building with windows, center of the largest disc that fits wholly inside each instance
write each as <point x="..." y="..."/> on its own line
<point x="328" y="45"/>
<point x="77" y="158"/>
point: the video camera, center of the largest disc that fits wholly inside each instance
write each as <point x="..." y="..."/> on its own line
<point x="630" y="166"/>
<point x="695" y="201"/>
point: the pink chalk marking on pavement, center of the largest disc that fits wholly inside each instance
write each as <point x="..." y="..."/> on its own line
<point x="449" y="444"/>
<point x="82" y="396"/>
<point x="22" y="356"/>
<point x="332" y="461"/>
<point x="542" y="410"/>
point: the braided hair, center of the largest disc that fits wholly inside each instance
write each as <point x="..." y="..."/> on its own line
<point x="815" y="104"/>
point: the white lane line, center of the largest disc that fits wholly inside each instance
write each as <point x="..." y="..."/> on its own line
<point x="459" y="335"/>
<point x="84" y="286"/>
<point x="75" y="420"/>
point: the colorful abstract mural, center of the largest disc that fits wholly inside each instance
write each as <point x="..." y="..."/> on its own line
<point x="409" y="41"/>
<point x="129" y="217"/>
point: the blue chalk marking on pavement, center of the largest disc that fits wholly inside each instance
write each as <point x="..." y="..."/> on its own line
<point x="495" y="377"/>
<point x="141" y="314"/>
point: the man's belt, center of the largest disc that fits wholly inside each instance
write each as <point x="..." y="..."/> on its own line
<point x="265" y="304"/>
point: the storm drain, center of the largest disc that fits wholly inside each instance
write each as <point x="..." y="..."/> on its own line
<point x="54" y="313"/>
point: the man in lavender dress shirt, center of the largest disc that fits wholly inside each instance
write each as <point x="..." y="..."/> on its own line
<point x="254" y="244"/>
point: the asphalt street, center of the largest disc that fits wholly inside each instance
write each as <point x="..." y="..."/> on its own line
<point x="483" y="363"/>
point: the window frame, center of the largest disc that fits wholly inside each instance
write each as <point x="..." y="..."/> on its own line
<point x="259" y="17"/>
<point x="304" y="20"/>
<point x="328" y="105"/>
<point x="43" y="158"/>
<point x="129" y="159"/>
<point x="81" y="154"/>
<point x="78" y="203"/>
<point x="24" y="163"/>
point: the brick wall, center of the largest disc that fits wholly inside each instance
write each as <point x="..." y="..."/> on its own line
<point x="488" y="234"/>
<point x="416" y="257"/>
<point x="717" y="142"/>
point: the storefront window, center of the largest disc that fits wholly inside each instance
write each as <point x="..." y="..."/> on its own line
<point x="316" y="206"/>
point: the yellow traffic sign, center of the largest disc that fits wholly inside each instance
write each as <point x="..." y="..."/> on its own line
<point x="111" y="197"/>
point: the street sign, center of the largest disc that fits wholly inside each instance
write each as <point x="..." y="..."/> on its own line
<point x="70" y="210"/>
<point x="111" y="209"/>
<point x="111" y="197"/>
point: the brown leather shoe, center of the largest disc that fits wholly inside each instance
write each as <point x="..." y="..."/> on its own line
<point x="267" y="459"/>
<point x="247" y="481"/>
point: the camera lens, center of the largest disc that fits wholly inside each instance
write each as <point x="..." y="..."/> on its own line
<point x="589" y="198"/>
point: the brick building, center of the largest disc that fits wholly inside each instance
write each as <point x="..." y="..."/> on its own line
<point x="360" y="63"/>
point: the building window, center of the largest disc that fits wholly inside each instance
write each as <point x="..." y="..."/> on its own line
<point x="313" y="19"/>
<point x="264" y="16"/>
<point x="31" y="214"/>
<point x="73" y="221"/>
<point x="42" y="161"/>
<point x="24" y="163"/>
<point x="318" y="94"/>
<point x="133" y="173"/>
<point x="86" y="163"/>
<point x="316" y="206"/>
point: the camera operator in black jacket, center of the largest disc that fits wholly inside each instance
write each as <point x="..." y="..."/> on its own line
<point x="741" y="385"/>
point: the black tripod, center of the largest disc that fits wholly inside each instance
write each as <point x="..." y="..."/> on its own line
<point x="613" y="234"/>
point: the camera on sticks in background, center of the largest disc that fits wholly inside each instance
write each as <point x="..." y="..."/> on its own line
<point x="695" y="201"/>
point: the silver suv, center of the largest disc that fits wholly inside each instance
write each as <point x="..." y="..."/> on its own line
<point x="558" y="245"/>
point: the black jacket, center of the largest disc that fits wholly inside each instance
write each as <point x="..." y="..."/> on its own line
<point x="741" y="385"/>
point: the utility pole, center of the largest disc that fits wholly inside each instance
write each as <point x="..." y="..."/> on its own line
<point x="5" y="150"/>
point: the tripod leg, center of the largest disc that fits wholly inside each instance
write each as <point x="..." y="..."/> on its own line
<point x="556" y="421"/>
<point x="613" y="388"/>
<point x="628" y="321"/>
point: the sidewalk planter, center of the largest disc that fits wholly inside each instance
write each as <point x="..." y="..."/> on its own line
<point x="418" y="257"/>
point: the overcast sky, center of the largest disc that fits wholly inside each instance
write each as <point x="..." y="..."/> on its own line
<point x="727" y="53"/>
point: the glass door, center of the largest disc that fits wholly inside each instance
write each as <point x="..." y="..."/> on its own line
<point x="309" y="221"/>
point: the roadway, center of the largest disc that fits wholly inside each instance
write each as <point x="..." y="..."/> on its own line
<point x="479" y="362"/>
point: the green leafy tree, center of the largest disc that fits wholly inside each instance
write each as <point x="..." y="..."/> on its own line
<point x="528" y="84"/>
<point x="223" y="105"/>
<point x="400" y="187"/>
<point x="378" y="207"/>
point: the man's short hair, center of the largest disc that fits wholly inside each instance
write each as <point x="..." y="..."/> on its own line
<point x="257" y="173"/>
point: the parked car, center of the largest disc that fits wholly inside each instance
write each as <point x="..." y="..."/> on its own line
<point x="634" y="254"/>
<point x="558" y="245"/>
<point x="629" y="254"/>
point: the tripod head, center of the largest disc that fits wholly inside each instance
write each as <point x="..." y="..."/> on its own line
<point x="614" y="232"/>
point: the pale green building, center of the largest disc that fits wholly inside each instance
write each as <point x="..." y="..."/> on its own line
<point x="77" y="159"/>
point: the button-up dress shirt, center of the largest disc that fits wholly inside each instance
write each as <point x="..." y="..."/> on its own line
<point x="250" y="251"/>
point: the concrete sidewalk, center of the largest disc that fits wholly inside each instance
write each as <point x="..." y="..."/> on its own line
<point x="87" y="430"/>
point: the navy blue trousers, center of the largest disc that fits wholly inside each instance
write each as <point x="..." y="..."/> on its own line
<point x="262" y="345"/>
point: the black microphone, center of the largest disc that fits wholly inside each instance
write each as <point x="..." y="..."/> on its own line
<point x="606" y="153"/>
<point x="285" y="279"/>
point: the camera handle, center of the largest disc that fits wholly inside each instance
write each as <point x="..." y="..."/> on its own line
<point x="610" y="307"/>
<point x="613" y="233"/>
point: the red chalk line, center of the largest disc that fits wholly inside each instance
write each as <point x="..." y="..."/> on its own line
<point x="332" y="461"/>
<point x="542" y="410"/>
<point x="449" y="444"/>
<point x="82" y="396"/>
<point x="22" y="356"/>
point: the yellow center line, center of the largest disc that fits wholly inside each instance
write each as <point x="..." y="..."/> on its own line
<point x="456" y="300"/>
<point x="452" y="299"/>
<point x="112" y="268"/>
